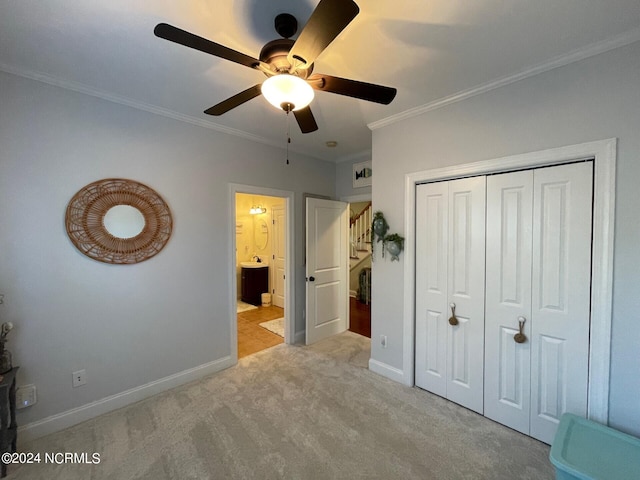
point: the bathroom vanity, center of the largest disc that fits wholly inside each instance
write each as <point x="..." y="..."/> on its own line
<point x="254" y="282"/>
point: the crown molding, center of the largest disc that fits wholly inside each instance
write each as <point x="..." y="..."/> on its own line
<point x="626" y="38"/>
<point x="164" y="112"/>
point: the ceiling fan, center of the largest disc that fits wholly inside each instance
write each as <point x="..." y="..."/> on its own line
<point x="288" y="64"/>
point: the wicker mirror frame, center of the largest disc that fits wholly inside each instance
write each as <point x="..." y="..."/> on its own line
<point x="84" y="221"/>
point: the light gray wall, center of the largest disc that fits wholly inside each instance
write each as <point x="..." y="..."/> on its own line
<point x="133" y="324"/>
<point x="344" y="182"/>
<point x="593" y="99"/>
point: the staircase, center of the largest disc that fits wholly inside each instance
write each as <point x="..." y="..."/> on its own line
<point x="360" y="236"/>
<point x="360" y="251"/>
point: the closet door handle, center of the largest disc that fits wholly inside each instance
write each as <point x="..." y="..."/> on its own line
<point x="452" y="319"/>
<point x="312" y="279"/>
<point x="520" y="337"/>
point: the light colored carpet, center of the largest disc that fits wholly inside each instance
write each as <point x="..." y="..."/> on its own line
<point x="276" y="326"/>
<point x="244" y="307"/>
<point x="294" y="412"/>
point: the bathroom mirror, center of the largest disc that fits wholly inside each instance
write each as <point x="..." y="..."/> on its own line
<point x="118" y="221"/>
<point x="261" y="234"/>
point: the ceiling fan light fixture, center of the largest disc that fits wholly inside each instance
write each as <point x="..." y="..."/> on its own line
<point x="287" y="92"/>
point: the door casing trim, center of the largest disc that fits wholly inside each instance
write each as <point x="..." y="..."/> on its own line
<point x="289" y="282"/>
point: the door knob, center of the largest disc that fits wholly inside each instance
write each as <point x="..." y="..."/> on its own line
<point x="312" y="279"/>
<point x="452" y="319"/>
<point x="520" y="337"/>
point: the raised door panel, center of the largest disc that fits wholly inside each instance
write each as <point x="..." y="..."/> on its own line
<point x="561" y="283"/>
<point x="508" y="298"/>
<point x="431" y="286"/>
<point x="465" y="286"/>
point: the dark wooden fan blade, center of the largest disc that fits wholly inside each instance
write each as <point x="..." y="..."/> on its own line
<point x="233" y="102"/>
<point x="353" y="88"/>
<point x="326" y="22"/>
<point x="305" y="120"/>
<point x="174" y="34"/>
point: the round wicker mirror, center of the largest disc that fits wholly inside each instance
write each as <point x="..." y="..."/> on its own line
<point x="101" y="229"/>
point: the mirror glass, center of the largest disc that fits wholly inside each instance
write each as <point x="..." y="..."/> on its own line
<point x="124" y="221"/>
<point x="261" y="234"/>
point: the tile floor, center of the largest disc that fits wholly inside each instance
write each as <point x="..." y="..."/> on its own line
<point x="252" y="337"/>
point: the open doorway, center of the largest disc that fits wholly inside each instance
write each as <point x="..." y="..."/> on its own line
<point x="360" y="267"/>
<point x="261" y="260"/>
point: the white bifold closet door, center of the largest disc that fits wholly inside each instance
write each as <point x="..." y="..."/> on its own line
<point x="450" y="243"/>
<point x="538" y="276"/>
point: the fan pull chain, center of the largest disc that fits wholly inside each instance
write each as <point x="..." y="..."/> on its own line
<point x="288" y="135"/>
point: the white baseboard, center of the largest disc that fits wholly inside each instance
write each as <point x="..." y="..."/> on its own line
<point x="67" y="419"/>
<point x="388" y="371"/>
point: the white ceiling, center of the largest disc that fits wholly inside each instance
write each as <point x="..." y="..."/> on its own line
<point x="431" y="51"/>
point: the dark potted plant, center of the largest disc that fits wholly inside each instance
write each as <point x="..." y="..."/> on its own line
<point x="394" y="244"/>
<point x="379" y="227"/>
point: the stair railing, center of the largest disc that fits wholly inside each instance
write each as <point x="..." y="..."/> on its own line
<point x="360" y="229"/>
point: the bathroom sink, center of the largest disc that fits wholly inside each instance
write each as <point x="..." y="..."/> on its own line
<point x="253" y="264"/>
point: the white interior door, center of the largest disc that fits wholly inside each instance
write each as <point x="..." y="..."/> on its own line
<point x="538" y="272"/>
<point x="432" y="301"/>
<point x="508" y="299"/>
<point x="450" y="276"/>
<point x="327" y="271"/>
<point x="278" y="256"/>
<point x="561" y="288"/>
<point x="465" y="342"/>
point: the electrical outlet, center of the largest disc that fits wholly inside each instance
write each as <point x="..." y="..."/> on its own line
<point x="79" y="378"/>
<point x="26" y="396"/>
<point x="383" y="341"/>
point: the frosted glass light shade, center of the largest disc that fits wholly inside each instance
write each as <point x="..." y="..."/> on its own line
<point x="284" y="89"/>
<point x="256" y="210"/>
